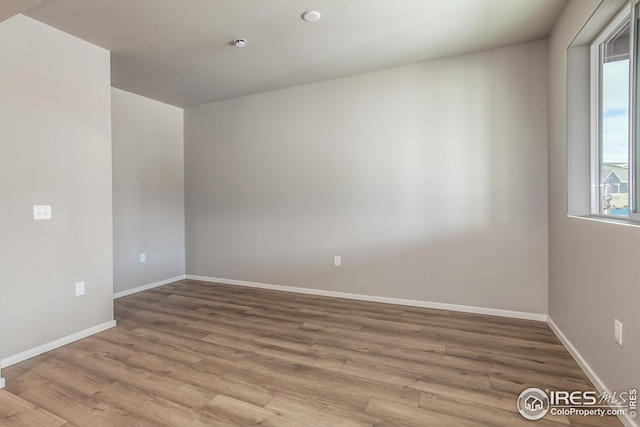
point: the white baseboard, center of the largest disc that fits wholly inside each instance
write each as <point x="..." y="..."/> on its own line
<point x="386" y="300"/>
<point x="585" y="367"/>
<point x="149" y="286"/>
<point x="36" y="351"/>
<point x="1" y="382"/>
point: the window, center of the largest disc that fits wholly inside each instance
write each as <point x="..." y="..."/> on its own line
<point x="612" y="170"/>
<point x="601" y="113"/>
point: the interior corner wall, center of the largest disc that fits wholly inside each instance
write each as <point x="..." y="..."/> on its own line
<point x="148" y="191"/>
<point x="55" y="149"/>
<point x="429" y="180"/>
<point x="593" y="272"/>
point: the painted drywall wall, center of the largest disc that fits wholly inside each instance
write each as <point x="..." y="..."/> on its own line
<point x="593" y="266"/>
<point x="148" y="191"/>
<point x="430" y="181"/>
<point x="55" y="143"/>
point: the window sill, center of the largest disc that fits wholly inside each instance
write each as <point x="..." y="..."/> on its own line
<point x="608" y="220"/>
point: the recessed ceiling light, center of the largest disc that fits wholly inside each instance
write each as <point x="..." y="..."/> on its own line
<point x="240" y="42"/>
<point x="311" y="15"/>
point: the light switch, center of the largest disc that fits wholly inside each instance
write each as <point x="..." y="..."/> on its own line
<point x="41" y="212"/>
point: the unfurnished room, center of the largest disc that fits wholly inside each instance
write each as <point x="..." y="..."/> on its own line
<point x="319" y="213"/>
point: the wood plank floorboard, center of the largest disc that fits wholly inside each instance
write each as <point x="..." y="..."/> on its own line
<point x="200" y="354"/>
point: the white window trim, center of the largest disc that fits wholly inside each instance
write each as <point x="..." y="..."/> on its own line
<point x="579" y="121"/>
<point x="627" y="13"/>
<point x="632" y="185"/>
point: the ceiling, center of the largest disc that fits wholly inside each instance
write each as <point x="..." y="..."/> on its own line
<point x="8" y="8"/>
<point x="180" y="51"/>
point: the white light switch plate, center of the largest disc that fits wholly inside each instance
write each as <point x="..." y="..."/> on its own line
<point x="79" y="289"/>
<point x="41" y="212"/>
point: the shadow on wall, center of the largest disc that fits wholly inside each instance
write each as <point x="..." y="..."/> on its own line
<point x="499" y="266"/>
<point x="429" y="180"/>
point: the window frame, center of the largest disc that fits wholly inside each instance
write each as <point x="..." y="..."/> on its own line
<point x="628" y="12"/>
<point x="634" y="120"/>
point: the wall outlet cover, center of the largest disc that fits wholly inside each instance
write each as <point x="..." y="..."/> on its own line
<point x="79" y="288"/>
<point x="41" y="212"/>
<point x="617" y="331"/>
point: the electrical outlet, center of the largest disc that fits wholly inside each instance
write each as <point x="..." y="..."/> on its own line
<point x="617" y="331"/>
<point x="41" y="212"/>
<point x="337" y="260"/>
<point x="79" y="289"/>
<point x="143" y="257"/>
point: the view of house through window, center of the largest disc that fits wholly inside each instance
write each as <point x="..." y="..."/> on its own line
<point x="613" y="156"/>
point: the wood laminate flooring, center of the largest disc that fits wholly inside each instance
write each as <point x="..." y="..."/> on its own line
<point x="201" y="354"/>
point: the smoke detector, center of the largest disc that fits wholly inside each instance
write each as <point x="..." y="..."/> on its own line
<point x="240" y="42"/>
<point x="311" y="15"/>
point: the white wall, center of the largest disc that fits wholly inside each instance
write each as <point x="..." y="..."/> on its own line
<point x="429" y="180"/>
<point x="148" y="190"/>
<point x="593" y="274"/>
<point x="55" y="142"/>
